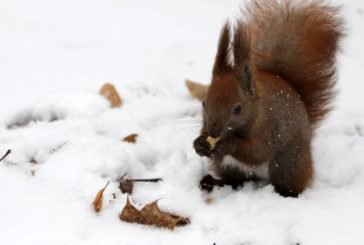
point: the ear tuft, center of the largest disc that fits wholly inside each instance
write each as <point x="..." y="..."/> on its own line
<point x="241" y="52"/>
<point x="241" y="44"/>
<point x="222" y="59"/>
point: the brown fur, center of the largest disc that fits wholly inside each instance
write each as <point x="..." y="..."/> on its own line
<point x="265" y="106"/>
<point x="298" y="40"/>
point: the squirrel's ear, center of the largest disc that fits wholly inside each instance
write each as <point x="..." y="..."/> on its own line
<point x="222" y="60"/>
<point x="241" y="52"/>
<point x="245" y="77"/>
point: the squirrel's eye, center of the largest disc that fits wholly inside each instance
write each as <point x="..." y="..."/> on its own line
<point x="237" y="110"/>
<point x="203" y="104"/>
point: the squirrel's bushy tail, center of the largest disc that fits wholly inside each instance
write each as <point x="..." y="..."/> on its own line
<point x="298" y="41"/>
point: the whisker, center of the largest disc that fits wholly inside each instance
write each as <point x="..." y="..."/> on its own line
<point x="184" y="122"/>
<point x="184" y="129"/>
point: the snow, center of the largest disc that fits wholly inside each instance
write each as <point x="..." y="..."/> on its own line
<point x="55" y="55"/>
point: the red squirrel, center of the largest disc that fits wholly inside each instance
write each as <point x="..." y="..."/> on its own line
<point x="272" y="83"/>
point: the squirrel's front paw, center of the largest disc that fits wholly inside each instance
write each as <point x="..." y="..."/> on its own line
<point x="202" y="147"/>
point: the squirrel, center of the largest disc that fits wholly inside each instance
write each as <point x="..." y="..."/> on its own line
<point x="272" y="84"/>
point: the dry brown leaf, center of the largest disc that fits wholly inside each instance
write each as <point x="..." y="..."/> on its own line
<point x="126" y="186"/>
<point x="163" y="219"/>
<point x="109" y="92"/>
<point x="131" y="138"/>
<point x="130" y="213"/>
<point x="197" y="90"/>
<point x="98" y="199"/>
<point x="151" y="215"/>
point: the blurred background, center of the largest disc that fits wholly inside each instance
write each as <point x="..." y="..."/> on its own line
<point x="53" y="45"/>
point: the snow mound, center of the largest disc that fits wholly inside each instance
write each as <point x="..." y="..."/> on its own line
<point x="62" y="105"/>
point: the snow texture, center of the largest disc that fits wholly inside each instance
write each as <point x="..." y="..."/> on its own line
<point x="55" y="55"/>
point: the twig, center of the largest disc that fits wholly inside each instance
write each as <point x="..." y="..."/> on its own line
<point x="122" y="178"/>
<point x="155" y="180"/>
<point x="127" y="185"/>
<point x="6" y="154"/>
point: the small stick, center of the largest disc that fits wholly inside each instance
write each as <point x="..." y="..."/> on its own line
<point x="127" y="185"/>
<point x="6" y="154"/>
<point x="155" y="180"/>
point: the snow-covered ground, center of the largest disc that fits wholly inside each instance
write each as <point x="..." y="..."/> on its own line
<point x="55" y="55"/>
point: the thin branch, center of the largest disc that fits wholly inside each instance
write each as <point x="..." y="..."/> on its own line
<point x="155" y="180"/>
<point x="6" y="154"/>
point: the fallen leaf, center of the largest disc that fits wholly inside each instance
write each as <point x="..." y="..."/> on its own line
<point x="109" y="92"/>
<point x="163" y="219"/>
<point x="197" y="90"/>
<point x="130" y="213"/>
<point x="6" y="154"/>
<point x="131" y="138"/>
<point x="126" y="186"/>
<point x="98" y="199"/>
<point x="150" y="214"/>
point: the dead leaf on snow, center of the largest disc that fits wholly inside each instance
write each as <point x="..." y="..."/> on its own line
<point x="197" y="90"/>
<point x="97" y="203"/>
<point x="126" y="186"/>
<point x="109" y="92"/>
<point x="131" y="138"/>
<point x="150" y="214"/>
<point x="130" y="213"/>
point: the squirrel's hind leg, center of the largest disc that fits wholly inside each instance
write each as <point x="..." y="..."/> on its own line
<point x="232" y="176"/>
<point x="291" y="170"/>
